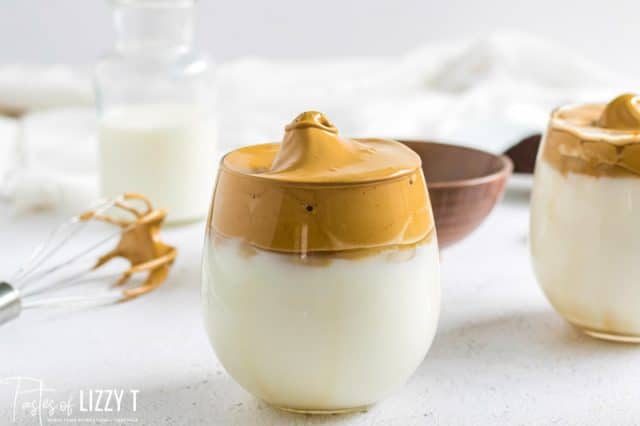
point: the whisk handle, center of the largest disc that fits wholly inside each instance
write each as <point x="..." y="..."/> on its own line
<point x="10" y="304"/>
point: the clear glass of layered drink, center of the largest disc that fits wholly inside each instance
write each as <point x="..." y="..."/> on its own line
<point x="585" y="234"/>
<point x="320" y="272"/>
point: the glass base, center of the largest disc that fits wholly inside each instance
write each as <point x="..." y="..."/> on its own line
<point x="611" y="337"/>
<point x="314" y="411"/>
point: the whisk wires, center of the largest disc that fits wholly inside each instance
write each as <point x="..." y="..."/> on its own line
<point x="139" y="243"/>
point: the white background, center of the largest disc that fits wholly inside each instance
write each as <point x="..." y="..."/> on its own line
<point x="76" y="31"/>
<point x="501" y="355"/>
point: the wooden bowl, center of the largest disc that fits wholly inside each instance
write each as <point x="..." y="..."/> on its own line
<point x="464" y="185"/>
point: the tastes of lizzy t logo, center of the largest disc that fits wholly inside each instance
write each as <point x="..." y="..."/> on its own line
<point x="31" y="402"/>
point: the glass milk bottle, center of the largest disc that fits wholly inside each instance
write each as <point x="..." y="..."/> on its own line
<point x="155" y="108"/>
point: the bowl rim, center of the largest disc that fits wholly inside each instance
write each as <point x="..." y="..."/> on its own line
<point x="505" y="171"/>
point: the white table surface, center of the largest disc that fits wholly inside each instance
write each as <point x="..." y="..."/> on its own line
<point x="501" y="354"/>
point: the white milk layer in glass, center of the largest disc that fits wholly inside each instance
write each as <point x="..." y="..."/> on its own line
<point x="320" y="336"/>
<point x="585" y="241"/>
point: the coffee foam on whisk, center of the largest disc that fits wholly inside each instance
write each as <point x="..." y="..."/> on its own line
<point x="138" y="243"/>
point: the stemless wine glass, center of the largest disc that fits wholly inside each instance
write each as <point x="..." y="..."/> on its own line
<point x="585" y="237"/>
<point x="320" y="272"/>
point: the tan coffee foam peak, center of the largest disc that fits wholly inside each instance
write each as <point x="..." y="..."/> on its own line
<point x="596" y="139"/>
<point x="318" y="192"/>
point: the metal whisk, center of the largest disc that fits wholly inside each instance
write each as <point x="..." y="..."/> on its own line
<point x="53" y="269"/>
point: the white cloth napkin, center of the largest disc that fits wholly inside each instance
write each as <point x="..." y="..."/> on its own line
<point x="486" y="93"/>
<point x="29" y="87"/>
<point x="54" y="161"/>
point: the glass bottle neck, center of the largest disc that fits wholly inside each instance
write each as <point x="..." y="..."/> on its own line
<point x="154" y="25"/>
